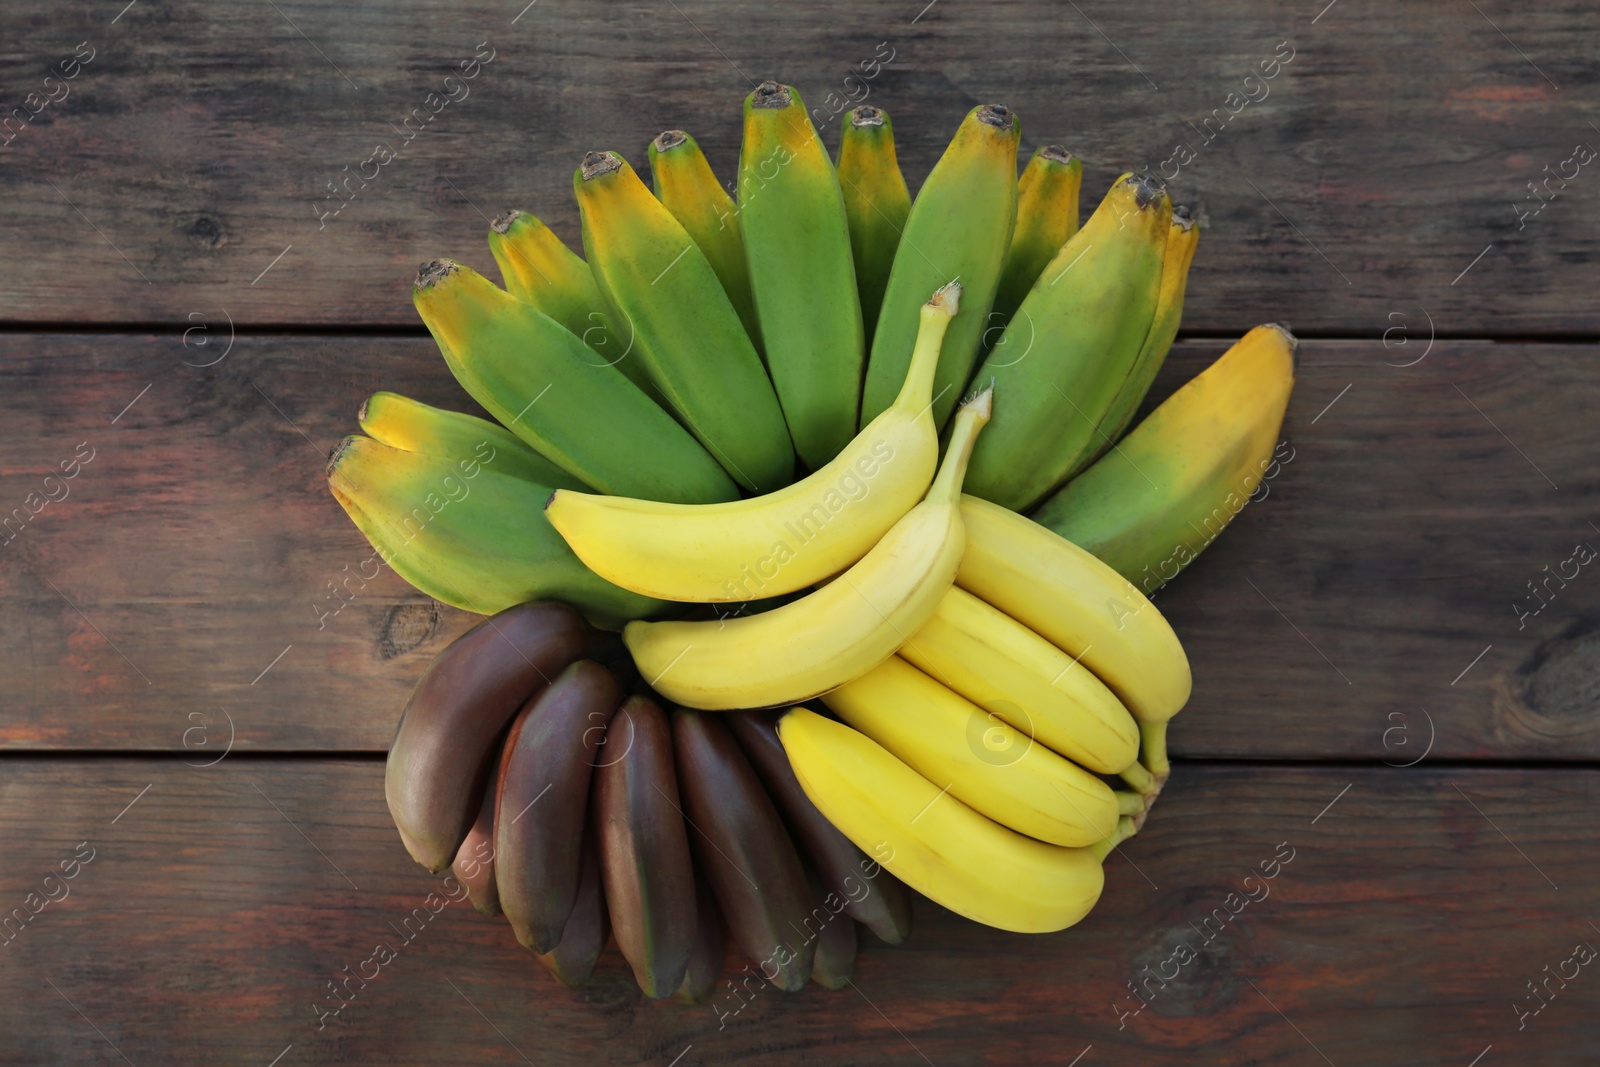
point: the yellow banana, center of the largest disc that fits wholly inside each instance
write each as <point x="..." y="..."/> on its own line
<point x="769" y="545"/>
<point x="1007" y="669"/>
<point x="933" y="842"/>
<point x="983" y="761"/>
<point x="1047" y="215"/>
<point x="876" y="203"/>
<point x="829" y="636"/>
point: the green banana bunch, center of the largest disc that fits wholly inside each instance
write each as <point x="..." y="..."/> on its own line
<point x="1047" y="216"/>
<point x="654" y="277"/>
<point x="959" y="228"/>
<point x="686" y="187"/>
<point x="1148" y="508"/>
<point x="508" y="355"/>
<point x="1072" y="344"/>
<point x="876" y="203"/>
<point x="802" y="276"/>
<point x="412" y="426"/>
<point x="465" y="535"/>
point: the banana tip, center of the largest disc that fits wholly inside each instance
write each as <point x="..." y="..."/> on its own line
<point x="337" y="453"/>
<point x="596" y="164"/>
<point x="1183" y="217"/>
<point x="997" y="115"/>
<point x="867" y="115"/>
<point x="435" y="271"/>
<point x="771" y="94"/>
<point x="1148" y="189"/>
<point x="981" y="403"/>
<point x="947" y="298"/>
<point x="504" y="221"/>
<point x="667" y="140"/>
<point x="1056" y="154"/>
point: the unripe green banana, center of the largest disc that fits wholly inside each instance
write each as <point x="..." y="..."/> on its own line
<point x="686" y="186"/>
<point x="802" y="274"/>
<point x="508" y="355"/>
<point x="466" y="536"/>
<point x="1168" y="489"/>
<point x="959" y="228"/>
<point x="1182" y="237"/>
<point x="1047" y="216"/>
<point x="1065" y="355"/>
<point x="876" y="203"/>
<point x="654" y="278"/>
<point x="414" y="426"/>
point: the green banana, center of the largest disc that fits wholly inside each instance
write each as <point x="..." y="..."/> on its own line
<point x="1047" y="216"/>
<point x="959" y="228"/>
<point x="1152" y="505"/>
<point x="466" y="536"/>
<point x="802" y="274"/>
<point x="653" y="277"/>
<point x="508" y="354"/>
<point x="686" y="187"/>
<point x="876" y="203"/>
<point x="1072" y="344"/>
<point x="414" y="426"/>
<point x="1182" y="237"/>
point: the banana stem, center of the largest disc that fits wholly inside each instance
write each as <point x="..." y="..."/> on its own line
<point x="1140" y="779"/>
<point x="1154" y="751"/>
<point x="971" y="417"/>
<point x="917" y="391"/>
<point x="1130" y="803"/>
<point x="1124" y="830"/>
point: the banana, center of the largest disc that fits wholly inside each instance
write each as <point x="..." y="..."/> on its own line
<point x="507" y="355"/>
<point x="683" y="328"/>
<point x="802" y="274"/>
<point x="1182" y="237"/>
<point x="743" y="850"/>
<point x="1177" y="480"/>
<point x="539" y="269"/>
<point x="837" y="633"/>
<point x="835" y="961"/>
<point x="705" y="958"/>
<point x="876" y="203"/>
<point x="474" y="862"/>
<point x="1063" y="358"/>
<point x="686" y="187"/>
<point x="413" y="426"/>
<point x="981" y="760"/>
<point x="1077" y="603"/>
<point x="1047" y="216"/>
<point x="935" y="843"/>
<point x="547" y="761"/>
<point x="439" y="761"/>
<point x="644" y="850"/>
<point x="584" y="936"/>
<point x="870" y="895"/>
<point x="959" y="228"/>
<point x="786" y="540"/>
<point x="1008" y="670"/>
<point x="465" y="535"/>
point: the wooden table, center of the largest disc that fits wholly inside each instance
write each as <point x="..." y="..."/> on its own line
<point x="194" y="726"/>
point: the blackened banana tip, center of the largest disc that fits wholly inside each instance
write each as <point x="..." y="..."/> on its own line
<point x="502" y="222"/>
<point x="597" y="163"/>
<point x="1147" y="190"/>
<point x="667" y="140"/>
<point x="1183" y="217"/>
<point x="336" y="453"/>
<point x="435" y="271"/>
<point x="551" y="499"/>
<point x="867" y="115"/>
<point x="771" y="94"/>
<point x="361" y="415"/>
<point x="997" y="115"/>
<point x="1056" y="153"/>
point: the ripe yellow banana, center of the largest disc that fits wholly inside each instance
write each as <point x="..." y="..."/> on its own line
<point x="769" y="545"/>
<point x="1007" y="669"/>
<point x="935" y="843"/>
<point x="1079" y="604"/>
<point x="1047" y="215"/>
<point x="996" y="770"/>
<point x="876" y="203"/>
<point x="834" y="634"/>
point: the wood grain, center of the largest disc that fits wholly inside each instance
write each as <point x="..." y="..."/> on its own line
<point x="188" y="167"/>
<point x="217" y="908"/>
<point x="199" y="543"/>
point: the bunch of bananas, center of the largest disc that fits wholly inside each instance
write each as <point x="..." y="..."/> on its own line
<point x="744" y="434"/>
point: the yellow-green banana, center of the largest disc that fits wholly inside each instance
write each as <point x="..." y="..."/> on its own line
<point x="996" y="770"/>
<point x="686" y="186"/>
<point x="662" y="292"/>
<point x="802" y="276"/>
<point x="876" y="203"/>
<point x="959" y="228"/>
<point x="840" y="631"/>
<point x="1078" y="604"/>
<point x="508" y="355"/>
<point x="1182" y="237"/>
<point x="1064" y="356"/>
<point x="786" y="540"/>
<point x="1047" y="215"/>
<point x="933" y="842"/>
<point x="1004" y="667"/>
<point x="411" y="425"/>
<point x="1148" y="508"/>
<point x="465" y="535"/>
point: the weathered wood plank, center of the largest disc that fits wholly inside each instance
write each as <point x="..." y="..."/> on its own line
<point x="187" y="168"/>
<point x="1400" y="928"/>
<point x="198" y="544"/>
